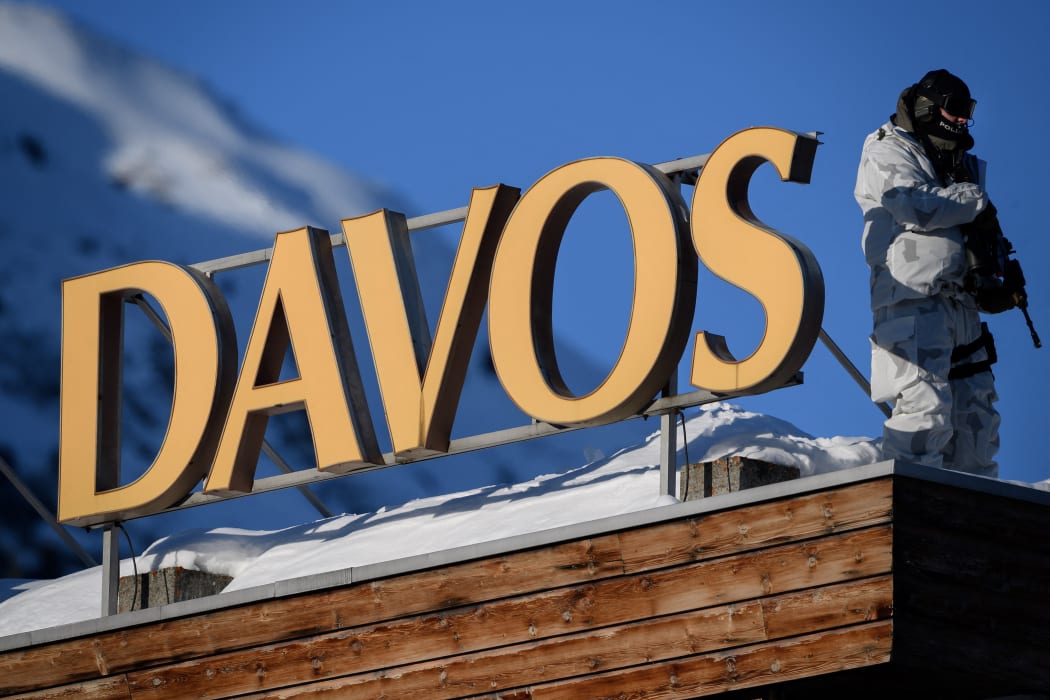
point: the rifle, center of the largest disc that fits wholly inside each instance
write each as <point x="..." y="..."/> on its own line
<point x="993" y="276"/>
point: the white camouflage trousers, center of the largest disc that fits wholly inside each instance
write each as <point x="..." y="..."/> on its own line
<point x="936" y="421"/>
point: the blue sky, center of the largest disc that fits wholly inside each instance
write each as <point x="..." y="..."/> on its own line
<point x="433" y="99"/>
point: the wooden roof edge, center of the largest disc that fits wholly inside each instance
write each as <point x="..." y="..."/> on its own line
<point x="1016" y="490"/>
<point x="641" y="518"/>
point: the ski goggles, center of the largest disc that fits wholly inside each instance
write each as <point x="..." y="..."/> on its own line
<point x="957" y="106"/>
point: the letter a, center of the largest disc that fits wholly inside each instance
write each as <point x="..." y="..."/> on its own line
<point x="300" y="305"/>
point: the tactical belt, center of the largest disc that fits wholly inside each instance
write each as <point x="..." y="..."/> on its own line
<point x="986" y="341"/>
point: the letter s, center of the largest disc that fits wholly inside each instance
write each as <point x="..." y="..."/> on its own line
<point x="781" y="272"/>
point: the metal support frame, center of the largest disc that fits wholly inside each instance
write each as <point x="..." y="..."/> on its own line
<point x="110" y="569"/>
<point x="44" y="513"/>
<point x="313" y="498"/>
<point x="852" y="371"/>
<point x="669" y="441"/>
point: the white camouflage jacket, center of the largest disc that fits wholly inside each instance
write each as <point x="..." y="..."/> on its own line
<point x="911" y="235"/>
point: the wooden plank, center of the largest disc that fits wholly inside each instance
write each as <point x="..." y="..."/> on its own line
<point x="826" y="607"/>
<point x="756" y="526"/>
<point x="113" y="688"/>
<point x="561" y="657"/>
<point x="622" y="646"/>
<point x="445" y="588"/>
<point x="39" y="667"/>
<point x="719" y="672"/>
<point x="528" y="618"/>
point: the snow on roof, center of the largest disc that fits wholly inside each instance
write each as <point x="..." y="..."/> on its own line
<point x="625" y="482"/>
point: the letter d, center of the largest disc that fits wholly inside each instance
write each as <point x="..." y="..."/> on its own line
<point x="89" y="437"/>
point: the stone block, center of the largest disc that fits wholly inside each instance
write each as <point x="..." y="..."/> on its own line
<point x="729" y="474"/>
<point x="169" y="585"/>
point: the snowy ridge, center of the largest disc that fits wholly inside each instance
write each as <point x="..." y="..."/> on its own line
<point x="172" y="139"/>
<point x="625" y="482"/>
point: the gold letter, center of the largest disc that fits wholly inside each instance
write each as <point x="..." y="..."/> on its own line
<point x="522" y="290"/>
<point x="421" y="384"/>
<point x="92" y="339"/>
<point x="778" y="270"/>
<point x="300" y="305"/>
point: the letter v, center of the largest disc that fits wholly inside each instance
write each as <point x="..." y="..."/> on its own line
<point x="421" y="381"/>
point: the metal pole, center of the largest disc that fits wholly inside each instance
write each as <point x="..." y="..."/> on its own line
<point x="44" y="513"/>
<point x="852" y="370"/>
<point x="680" y="172"/>
<point x="110" y="569"/>
<point x="684" y="168"/>
<point x="283" y="466"/>
<point x="669" y="442"/>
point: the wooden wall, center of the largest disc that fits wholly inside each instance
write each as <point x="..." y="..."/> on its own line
<point x="972" y="572"/>
<point x="767" y="595"/>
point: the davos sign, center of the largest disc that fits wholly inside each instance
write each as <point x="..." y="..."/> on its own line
<point x="505" y="260"/>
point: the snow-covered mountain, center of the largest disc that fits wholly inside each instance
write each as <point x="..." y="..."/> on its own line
<point x="108" y="157"/>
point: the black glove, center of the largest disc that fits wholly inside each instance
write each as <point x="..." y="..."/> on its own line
<point x="993" y="297"/>
<point x="985" y="222"/>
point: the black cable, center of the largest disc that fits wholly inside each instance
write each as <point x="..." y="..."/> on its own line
<point x="685" y="438"/>
<point x="685" y="446"/>
<point x="134" y="564"/>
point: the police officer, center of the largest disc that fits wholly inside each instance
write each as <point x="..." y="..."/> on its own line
<point x="917" y="184"/>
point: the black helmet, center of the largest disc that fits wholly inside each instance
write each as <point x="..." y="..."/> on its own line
<point x="938" y="90"/>
<point x="942" y="89"/>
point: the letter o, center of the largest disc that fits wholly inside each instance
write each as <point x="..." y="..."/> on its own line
<point x="521" y="337"/>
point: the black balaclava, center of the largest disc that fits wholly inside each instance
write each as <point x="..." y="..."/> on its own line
<point x="919" y="112"/>
<point x="940" y="89"/>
